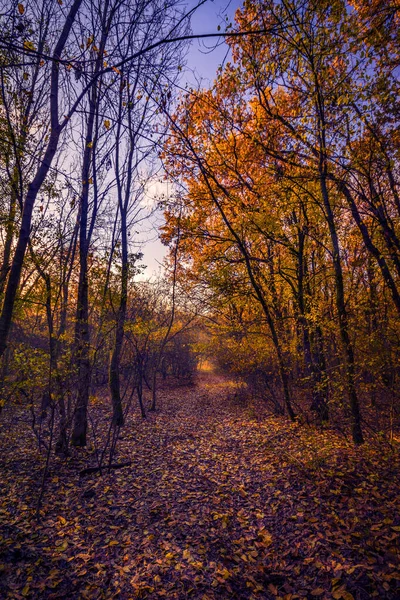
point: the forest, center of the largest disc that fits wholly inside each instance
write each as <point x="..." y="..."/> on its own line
<point x="227" y="427"/>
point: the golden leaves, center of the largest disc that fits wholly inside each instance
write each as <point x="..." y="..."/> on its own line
<point x="179" y="542"/>
<point x="29" y="46"/>
<point x="62" y="546"/>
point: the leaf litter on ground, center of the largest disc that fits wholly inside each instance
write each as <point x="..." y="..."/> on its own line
<point x="220" y="500"/>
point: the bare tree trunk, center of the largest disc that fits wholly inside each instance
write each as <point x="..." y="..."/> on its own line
<point x="337" y="265"/>
<point x="342" y="315"/>
<point x="82" y="333"/>
<point x="315" y="369"/>
<point x="114" y="376"/>
<point x="34" y="187"/>
<point x="54" y="395"/>
<point x="5" y="265"/>
<point x="139" y="387"/>
<point x="370" y="246"/>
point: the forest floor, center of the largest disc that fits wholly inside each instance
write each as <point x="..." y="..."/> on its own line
<point x="221" y="501"/>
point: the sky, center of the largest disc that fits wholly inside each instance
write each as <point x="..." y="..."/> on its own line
<point x="203" y="59"/>
<point x="205" y="56"/>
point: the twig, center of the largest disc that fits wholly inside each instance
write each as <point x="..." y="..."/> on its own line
<point x="91" y="470"/>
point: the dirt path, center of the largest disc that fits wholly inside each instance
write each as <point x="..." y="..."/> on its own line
<point x="220" y="502"/>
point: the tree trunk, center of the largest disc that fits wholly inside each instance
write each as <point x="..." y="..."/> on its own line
<point x="342" y="314"/>
<point x="82" y="333"/>
<point x="33" y="190"/>
<point x="380" y="259"/>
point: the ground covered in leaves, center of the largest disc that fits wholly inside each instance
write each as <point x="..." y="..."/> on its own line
<point x="220" y="501"/>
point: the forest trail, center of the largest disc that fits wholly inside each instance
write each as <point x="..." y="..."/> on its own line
<point x="220" y="501"/>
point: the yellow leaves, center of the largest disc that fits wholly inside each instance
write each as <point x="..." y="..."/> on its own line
<point x="84" y="556"/>
<point x="89" y="145"/>
<point x="107" y="124"/>
<point x="125" y="569"/>
<point x="265" y="537"/>
<point x="62" y="547"/>
<point x="29" y="46"/>
<point x="225" y="574"/>
<point x="187" y="555"/>
<point x="25" y="590"/>
<point x="233" y="453"/>
<point x="339" y="592"/>
<point x="225" y="521"/>
<point x="342" y="595"/>
<point x="242" y="491"/>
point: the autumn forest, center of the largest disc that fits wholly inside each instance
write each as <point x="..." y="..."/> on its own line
<point x="228" y="425"/>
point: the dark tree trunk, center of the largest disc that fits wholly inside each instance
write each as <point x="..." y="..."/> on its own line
<point x="33" y="189"/>
<point x="82" y="334"/>
<point x="370" y="246"/>
<point x="342" y="313"/>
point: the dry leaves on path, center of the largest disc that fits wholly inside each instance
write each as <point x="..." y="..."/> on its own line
<point x="219" y="502"/>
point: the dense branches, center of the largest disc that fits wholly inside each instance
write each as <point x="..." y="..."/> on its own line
<point x="290" y="166"/>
